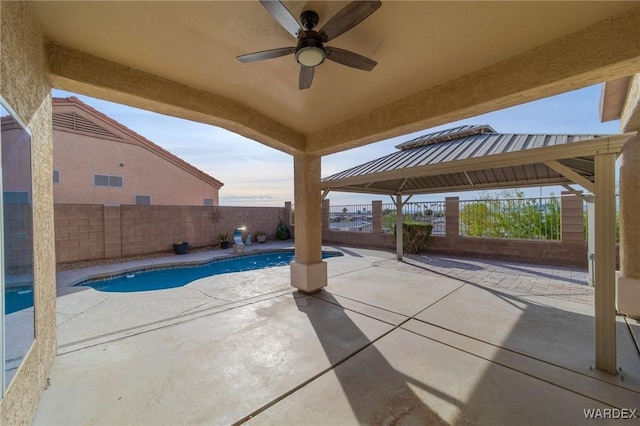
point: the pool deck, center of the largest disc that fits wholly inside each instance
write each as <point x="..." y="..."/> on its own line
<point x="431" y="340"/>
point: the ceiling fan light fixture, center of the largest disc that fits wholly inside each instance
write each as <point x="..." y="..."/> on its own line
<point x="310" y="56"/>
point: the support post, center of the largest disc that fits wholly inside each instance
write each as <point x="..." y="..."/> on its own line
<point x="399" y="206"/>
<point x="308" y="271"/>
<point x="605" y="263"/>
<point x="591" y="240"/>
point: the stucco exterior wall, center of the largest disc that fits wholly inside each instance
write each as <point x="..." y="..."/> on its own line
<point x="143" y="173"/>
<point x="24" y="85"/>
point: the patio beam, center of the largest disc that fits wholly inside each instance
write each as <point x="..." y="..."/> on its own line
<point x="86" y="74"/>
<point x="605" y="263"/>
<point x="574" y="191"/>
<point x="570" y="174"/>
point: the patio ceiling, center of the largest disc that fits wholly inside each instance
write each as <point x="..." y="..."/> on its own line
<point x="437" y="62"/>
<point x="476" y="157"/>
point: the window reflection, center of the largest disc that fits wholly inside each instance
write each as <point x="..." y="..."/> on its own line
<point x="17" y="253"/>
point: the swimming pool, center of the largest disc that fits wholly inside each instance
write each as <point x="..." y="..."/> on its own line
<point x="17" y="299"/>
<point x="172" y="277"/>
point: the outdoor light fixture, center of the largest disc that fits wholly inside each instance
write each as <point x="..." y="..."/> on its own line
<point x="310" y="53"/>
<point x="238" y="244"/>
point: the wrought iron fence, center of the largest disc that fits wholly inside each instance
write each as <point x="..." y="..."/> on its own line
<point x="524" y="218"/>
<point x="354" y="217"/>
<point x="432" y="212"/>
<point x="585" y="218"/>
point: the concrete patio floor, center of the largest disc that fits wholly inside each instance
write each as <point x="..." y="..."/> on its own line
<point x="433" y="340"/>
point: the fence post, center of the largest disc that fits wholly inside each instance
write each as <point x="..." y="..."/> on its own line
<point x="376" y="212"/>
<point x="287" y="213"/>
<point x="326" y="215"/>
<point x="452" y="217"/>
<point x="572" y="217"/>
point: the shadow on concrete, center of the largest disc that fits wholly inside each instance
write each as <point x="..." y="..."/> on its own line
<point x="445" y="262"/>
<point x="366" y="375"/>
<point x="557" y="336"/>
<point x="544" y="274"/>
<point x="448" y="262"/>
<point x="346" y="251"/>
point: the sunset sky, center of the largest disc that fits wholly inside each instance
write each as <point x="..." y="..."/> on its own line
<point x="256" y="175"/>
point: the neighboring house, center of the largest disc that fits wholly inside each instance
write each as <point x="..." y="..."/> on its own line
<point x="97" y="160"/>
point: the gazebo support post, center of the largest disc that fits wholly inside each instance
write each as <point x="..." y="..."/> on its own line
<point x="605" y="263"/>
<point x="399" y="206"/>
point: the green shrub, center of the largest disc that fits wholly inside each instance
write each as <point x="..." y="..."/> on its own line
<point x="415" y="236"/>
<point x="282" y="232"/>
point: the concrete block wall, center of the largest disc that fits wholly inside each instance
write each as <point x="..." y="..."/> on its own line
<point x="572" y="226"/>
<point x="88" y="232"/>
<point x="79" y="232"/>
<point x="378" y="240"/>
<point x="18" y="238"/>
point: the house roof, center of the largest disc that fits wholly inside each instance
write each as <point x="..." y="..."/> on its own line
<point x="477" y="157"/>
<point x="73" y="115"/>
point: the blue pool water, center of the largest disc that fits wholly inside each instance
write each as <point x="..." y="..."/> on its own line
<point x="179" y="276"/>
<point x="17" y="299"/>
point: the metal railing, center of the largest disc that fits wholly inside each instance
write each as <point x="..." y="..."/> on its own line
<point x="525" y="218"/>
<point x="354" y="217"/>
<point x="432" y="212"/>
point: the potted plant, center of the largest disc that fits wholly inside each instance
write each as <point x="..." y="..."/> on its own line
<point x="224" y="240"/>
<point x="261" y="237"/>
<point x="180" y="247"/>
<point x="282" y="232"/>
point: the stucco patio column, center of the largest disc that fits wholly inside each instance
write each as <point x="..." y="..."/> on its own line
<point x="629" y="277"/>
<point x="308" y="271"/>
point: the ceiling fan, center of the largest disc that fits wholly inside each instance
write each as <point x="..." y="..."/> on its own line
<point x="310" y="50"/>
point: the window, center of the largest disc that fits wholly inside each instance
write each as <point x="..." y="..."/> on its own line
<point x="143" y="200"/>
<point x="17" y="330"/>
<point x="56" y="176"/>
<point x="208" y="202"/>
<point x="104" y="180"/>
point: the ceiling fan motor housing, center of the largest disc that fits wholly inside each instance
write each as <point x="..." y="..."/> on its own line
<point x="309" y="19"/>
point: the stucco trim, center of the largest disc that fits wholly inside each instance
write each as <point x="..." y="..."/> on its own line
<point x="83" y="73"/>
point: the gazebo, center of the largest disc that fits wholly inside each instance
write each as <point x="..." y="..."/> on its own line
<point x="473" y="157"/>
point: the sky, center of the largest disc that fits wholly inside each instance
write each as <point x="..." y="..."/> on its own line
<point x="256" y="175"/>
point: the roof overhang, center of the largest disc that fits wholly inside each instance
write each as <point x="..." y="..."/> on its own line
<point x="613" y="97"/>
<point x="482" y="56"/>
<point x="551" y="165"/>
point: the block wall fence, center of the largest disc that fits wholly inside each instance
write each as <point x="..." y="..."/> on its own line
<point x="90" y="232"/>
<point x="571" y="250"/>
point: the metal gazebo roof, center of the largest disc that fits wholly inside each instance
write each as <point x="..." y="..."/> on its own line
<point x="477" y="157"/>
